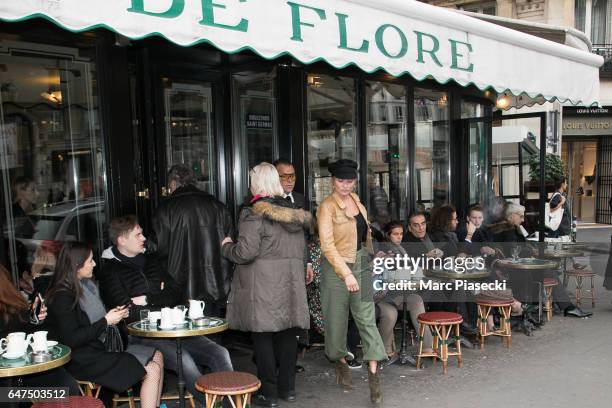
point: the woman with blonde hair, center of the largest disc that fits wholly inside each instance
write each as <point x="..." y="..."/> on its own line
<point x="268" y="294"/>
<point x="346" y="239"/>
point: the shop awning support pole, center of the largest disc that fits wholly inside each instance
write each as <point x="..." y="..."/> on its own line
<point x="543" y="194"/>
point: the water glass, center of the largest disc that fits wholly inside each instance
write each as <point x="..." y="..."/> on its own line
<point x="516" y="251"/>
<point x="144" y="317"/>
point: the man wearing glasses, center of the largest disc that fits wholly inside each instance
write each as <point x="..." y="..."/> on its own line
<point x="286" y="172"/>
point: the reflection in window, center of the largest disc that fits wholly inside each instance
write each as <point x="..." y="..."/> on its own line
<point x="254" y="122"/>
<point x="387" y="152"/>
<point x="432" y="140"/>
<point x="189" y="134"/>
<point x="51" y="159"/>
<point x="477" y="150"/>
<point x="331" y="133"/>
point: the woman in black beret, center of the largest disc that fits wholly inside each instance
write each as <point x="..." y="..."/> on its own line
<point x="345" y="238"/>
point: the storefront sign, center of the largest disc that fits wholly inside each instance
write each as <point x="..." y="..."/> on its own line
<point x="255" y="121"/>
<point x="398" y="36"/>
<point x="587" y="126"/>
<point x="571" y="111"/>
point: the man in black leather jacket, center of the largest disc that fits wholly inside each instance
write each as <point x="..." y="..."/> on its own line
<point x="188" y="229"/>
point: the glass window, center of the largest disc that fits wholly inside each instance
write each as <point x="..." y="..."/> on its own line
<point x="488" y="7"/>
<point x="189" y="130"/>
<point x="254" y="122"/>
<point x="432" y="142"/>
<point x="579" y="14"/>
<point x="387" y="152"/>
<point x="331" y="130"/>
<point x="51" y="158"/>
<point x="598" y="22"/>
<point x="477" y="150"/>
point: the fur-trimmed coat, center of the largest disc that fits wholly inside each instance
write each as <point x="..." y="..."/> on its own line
<point x="268" y="292"/>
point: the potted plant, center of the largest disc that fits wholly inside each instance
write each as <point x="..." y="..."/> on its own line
<point x="553" y="168"/>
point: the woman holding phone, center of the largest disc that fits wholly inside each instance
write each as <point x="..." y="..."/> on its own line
<point x="16" y="315"/>
<point x="78" y="319"/>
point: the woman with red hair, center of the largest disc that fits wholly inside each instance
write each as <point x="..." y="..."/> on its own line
<point x="16" y="315"/>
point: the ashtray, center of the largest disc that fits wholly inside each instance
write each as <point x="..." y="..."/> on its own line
<point x="41" y="357"/>
<point x="201" y="322"/>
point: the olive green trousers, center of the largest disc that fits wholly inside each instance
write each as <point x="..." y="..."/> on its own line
<point x="337" y="301"/>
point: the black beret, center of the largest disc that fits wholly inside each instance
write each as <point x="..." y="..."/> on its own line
<point x="343" y="169"/>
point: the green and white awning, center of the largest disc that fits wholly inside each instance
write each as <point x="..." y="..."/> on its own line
<point x="397" y="36"/>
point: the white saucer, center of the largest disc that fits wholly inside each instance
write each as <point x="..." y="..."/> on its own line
<point x="51" y="344"/>
<point x="183" y="323"/>
<point x="166" y="327"/>
<point x="12" y="356"/>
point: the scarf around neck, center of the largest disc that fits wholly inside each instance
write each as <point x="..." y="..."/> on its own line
<point x="90" y="301"/>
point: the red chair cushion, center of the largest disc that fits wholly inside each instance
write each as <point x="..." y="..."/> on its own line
<point x="71" y="402"/>
<point x="494" y="303"/>
<point x="440" y="318"/>
<point x="227" y="382"/>
<point x="550" y="282"/>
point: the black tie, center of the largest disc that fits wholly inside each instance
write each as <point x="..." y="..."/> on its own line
<point x="288" y="198"/>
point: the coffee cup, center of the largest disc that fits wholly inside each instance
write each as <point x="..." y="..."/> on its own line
<point x="15" y="344"/>
<point x="178" y="315"/>
<point x="154" y="317"/>
<point x="196" y="309"/>
<point x="166" y="317"/>
<point x="39" y="341"/>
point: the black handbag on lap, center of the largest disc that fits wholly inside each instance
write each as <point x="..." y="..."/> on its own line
<point x="112" y="340"/>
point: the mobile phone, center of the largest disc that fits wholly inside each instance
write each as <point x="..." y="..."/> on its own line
<point x="36" y="311"/>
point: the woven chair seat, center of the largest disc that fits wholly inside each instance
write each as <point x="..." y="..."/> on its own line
<point x="227" y="383"/>
<point x="442" y="318"/>
<point x="71" y="402"/>
<point x="585" y="273"/>
<point x="495" y="303"/>
<point x="550" y="282"/>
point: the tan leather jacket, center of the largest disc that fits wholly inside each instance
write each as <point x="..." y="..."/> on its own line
<point x="338" y="233"/>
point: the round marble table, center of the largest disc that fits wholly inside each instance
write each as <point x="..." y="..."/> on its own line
<point x="189" y="329"/>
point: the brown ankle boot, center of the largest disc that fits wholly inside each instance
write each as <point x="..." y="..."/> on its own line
<point x="343" y="375"/>
<point x="374" y="382"/>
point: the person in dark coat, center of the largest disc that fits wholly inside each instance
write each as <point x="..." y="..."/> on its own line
<point x="128" y="275"/>
<point x="286" y="173"/>
<point x="16" y="316"/>
<point x="473" y="238"/>
<point x="71" y="325"/>
<point x="268" y="296"/>
<point x="522" y="284"/>
<point x="442" y="229"/>
<point x="188" y="228"/>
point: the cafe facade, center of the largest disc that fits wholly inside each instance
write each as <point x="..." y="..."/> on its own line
<point x="99" y="99"/>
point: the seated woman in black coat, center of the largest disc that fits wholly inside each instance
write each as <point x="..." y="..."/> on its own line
<point x="71" y="325"/>
<point x="15" y="317"/>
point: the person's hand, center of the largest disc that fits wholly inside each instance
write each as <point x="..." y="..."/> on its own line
<point x="487" y="250"/>
<point x="117" y="314"/>
<point x="309" y="274"/>
<point x="562" y="200"/>
<point x="351" y="283"/>
<point x="226" y="240"/>
<point x="435" y="253"/>
<point x="471" y="228"/>
<point x="42" y="314"/>
<point x="140" y="300"/>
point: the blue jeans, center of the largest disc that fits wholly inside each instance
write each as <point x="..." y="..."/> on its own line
<point x="197" y="352"/>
